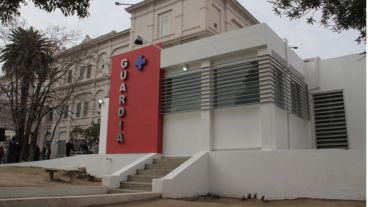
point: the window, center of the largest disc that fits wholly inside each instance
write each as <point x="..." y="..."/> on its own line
<point x="296" y="106"/>
<point x="164" y="24"/>
<point x="70" y="76"/>
<point x="279" y="89"/>
<point x="85" y="108"/>
<point x="78" y="110"/>
<point x="81" y="72"/>
<point x="236" y="84"/>
<point x="51" y="114"/>
<point x="181" y="93"/>
<point x="330" y="121"/>
<point x="89" y="71"/>
<point x="66" y="111"/>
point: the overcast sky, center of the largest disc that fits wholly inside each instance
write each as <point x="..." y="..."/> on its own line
<point x="311" y="40"/>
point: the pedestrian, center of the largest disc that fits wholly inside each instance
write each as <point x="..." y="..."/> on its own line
<point x="69" y="147"/>
<point x="37" y="153"/>
<point x="12" y="151"/>
<point x="48" y="151"/>
<point x="2" y="153"/>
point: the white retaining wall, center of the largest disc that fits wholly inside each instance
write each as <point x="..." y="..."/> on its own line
<point x="96" y="165"/>
<point x="113" y="181"/>
<point x="189" y="179"/>
<point x="278" y="174"/>
<point x="287" y="174"/>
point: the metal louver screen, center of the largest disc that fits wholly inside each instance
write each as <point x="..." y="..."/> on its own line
<point x="330" y="122"/>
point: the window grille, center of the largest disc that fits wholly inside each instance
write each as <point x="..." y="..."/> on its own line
<point x="236" y="85"/>
<point x="279" y="89"/>
<point x="181" y="93"/>
<point x="249" y="81"/>
<point x="329" y="120"/>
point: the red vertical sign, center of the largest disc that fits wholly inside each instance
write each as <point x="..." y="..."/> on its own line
<point x="135" y="123"/>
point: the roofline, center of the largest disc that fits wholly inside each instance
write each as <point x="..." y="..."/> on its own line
<point x="140" y="4"/>
<point x="237" y="4"/>
<point x="94" y="41"/>
<point x="242" y="8"/>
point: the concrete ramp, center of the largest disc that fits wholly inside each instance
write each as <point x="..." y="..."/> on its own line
<point x="78" y="201"/>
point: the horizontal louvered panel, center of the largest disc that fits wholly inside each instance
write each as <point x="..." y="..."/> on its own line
<point x="332" y="140"/>
<point x="317" y="101"/>
<point x="330" y="123"/>
<point x="329" y="112"/>
<point x="318" y="105"/>
<point x="328" y="128"/>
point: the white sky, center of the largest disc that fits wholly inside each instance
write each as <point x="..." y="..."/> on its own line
<point x="311" y="40"/>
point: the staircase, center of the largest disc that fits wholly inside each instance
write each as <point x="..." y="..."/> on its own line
<point x="142" y="180"/>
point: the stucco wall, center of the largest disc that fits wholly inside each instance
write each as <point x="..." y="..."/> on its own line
<point x="299" y="132"/>
<point x="347" y="73"/>
<point x="327" y="174"/>
<point x="182" y="133"/>
<point x="237" y="127"/>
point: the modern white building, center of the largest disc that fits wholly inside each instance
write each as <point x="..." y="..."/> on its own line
<point x="249" y="115"/>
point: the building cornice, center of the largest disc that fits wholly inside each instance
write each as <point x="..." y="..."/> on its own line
<point x="95" y="41"/>
<point x="245" y="11"/>
<point x="138" y="5"/>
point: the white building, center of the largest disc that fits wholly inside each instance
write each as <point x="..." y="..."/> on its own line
<point x="245" y="107"/>
<point x="213" y="84"/>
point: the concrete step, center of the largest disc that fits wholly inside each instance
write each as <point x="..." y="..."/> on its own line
<point x="142" y="178"/>
<point x="122" y="190"/>
<point x="131" y="185"/>
<point x="170" y="160"/>
<point x="153" y="172"/>
<point x="162" y="166"/>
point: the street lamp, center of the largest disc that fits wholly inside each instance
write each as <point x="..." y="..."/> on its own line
<point x="140" y="41"/>
<point x="122" y="4"/>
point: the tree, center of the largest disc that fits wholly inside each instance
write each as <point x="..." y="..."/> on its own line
<point x="337" y="15"/>
<point x="33" y="70"/>
<point x="10" y="8"/>
<point x="90" y="135"/>
<point x="26" y="62"/>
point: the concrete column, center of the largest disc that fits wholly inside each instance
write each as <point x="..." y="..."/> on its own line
<point x="266" y="99"/>
<point x="206" y="112"/>
<point x="103" y="126"/>
<point x="267" y="126"/>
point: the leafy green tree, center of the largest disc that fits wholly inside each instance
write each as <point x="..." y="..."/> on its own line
<point x="338" y="15"/>
<point x="90" y="135"/>
<point x="10" y="8"/>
